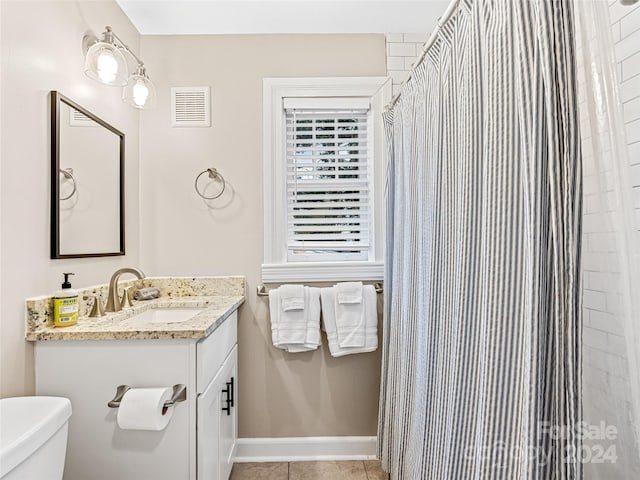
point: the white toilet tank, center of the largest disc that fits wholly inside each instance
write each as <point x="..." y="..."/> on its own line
<point x="33" y="437"/>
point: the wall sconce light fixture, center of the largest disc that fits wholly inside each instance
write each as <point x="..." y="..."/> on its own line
<point x="105" y="63"/>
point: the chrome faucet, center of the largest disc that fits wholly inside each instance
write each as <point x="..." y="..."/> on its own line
<point x="113" y="301"/>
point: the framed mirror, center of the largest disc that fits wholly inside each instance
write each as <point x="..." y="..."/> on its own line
<point x="87" y="183"/>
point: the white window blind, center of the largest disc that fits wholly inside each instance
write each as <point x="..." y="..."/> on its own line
<point x="328" y="184"/>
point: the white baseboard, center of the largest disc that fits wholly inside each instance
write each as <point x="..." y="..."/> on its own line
<point x="298" y="449"/>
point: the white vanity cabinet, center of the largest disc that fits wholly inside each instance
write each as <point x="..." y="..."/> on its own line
<point x="217" y="422"/>
<point x="200" y="441"/>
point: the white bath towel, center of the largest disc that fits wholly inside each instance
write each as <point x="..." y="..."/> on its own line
<point x="350" y="314"/>
<point x="369" y="328"/>
<point x="296" y="330"/>
<point x="292" y="297"/>
<point x="349" y="292"/>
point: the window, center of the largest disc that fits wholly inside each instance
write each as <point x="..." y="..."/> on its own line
<point x="323" y="168"/>
<point x="327" y="183"/>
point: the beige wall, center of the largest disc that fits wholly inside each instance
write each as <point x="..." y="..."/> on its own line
<point x="280" y="394"/>
<point x="41" y="51"/>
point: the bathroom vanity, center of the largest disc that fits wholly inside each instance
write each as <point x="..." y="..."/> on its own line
<point x="146" y="346"/>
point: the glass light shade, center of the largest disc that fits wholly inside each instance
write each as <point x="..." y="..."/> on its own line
<point x="139" y="92"/>
<point x="106" y="64"/>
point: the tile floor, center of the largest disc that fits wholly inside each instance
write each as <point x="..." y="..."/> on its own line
<point x="348" y="470"/>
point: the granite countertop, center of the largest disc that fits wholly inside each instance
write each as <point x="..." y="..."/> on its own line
<point x="217" y="304"/>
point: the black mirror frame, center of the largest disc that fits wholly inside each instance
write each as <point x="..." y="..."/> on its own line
<point x="56" y="98"/>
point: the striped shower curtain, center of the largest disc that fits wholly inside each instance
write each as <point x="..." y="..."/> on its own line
<point x="482" y="328"/>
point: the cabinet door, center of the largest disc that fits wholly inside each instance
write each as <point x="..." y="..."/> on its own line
<point x="228" y="419"/>
<point x="208" y="436"/>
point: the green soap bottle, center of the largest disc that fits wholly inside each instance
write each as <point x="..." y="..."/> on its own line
<point x="65" y="304"/>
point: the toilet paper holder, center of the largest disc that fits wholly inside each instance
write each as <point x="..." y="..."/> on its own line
<point x="179" y="395"/>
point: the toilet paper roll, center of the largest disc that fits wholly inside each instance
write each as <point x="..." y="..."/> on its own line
<point x="143" y="409"/>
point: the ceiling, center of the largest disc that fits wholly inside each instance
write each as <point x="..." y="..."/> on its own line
<point x="178" y="17"/>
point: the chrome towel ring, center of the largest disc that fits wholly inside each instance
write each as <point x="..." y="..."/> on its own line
<point x="68" y="174"/>
<point x="213" y="174"/>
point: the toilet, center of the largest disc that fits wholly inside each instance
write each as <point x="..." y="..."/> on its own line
<point x="33" y="437"/>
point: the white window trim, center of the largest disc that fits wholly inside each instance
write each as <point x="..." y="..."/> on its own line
<point x="275" y="268"/>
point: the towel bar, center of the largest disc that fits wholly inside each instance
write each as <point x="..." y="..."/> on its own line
<point x="179" y="395"/>
<point x="263" y="292"/>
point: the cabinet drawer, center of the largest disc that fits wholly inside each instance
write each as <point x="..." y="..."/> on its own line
<point x="212" y="351"/>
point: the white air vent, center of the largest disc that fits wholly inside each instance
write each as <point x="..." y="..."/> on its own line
<point x="79" y="119"/>
<point x="191" y="107"/>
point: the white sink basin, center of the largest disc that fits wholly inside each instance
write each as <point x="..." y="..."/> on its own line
<point x="165" y="315"/>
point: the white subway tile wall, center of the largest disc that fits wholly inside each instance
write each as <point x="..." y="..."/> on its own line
<point x="403" y="50"/>
<point x="605" y="369"/>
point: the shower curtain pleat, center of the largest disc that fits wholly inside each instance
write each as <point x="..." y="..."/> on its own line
<point x="481" y="342"/>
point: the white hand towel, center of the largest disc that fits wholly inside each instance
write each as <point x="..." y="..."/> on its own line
<point x="328" y="298"/>
<point x="296" y="330"/>
<point x="286" y="327"/>
<point x="350" y="324"/>
<point x="350" y="320"/>
<point x="292" y="297"/>
<point x="349" y="292"/>
<point x="312" y="309"/>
